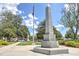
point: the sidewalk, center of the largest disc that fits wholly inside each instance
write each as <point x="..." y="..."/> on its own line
<point x="5" y="48"/>
<point x="13" y="50"/>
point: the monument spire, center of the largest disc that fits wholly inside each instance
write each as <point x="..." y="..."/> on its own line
<point x="49" y="27"/>
<point x="48" y="5"/>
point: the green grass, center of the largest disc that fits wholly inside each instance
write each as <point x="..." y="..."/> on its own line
<point x="25" y="43"/>
<point x="28" y="43"/>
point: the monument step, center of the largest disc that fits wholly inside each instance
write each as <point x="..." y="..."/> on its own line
<point x="51" y="51"/>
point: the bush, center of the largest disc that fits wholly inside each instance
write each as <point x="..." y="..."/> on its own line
<point x="3" y="42"/>
<point x="71" y="43"/>
<point x="61" y="42"/>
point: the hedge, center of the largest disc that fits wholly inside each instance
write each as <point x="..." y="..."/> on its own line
<point x="71" y="43"/>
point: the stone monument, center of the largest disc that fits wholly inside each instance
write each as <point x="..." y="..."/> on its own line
<point x="49" y="40"/>
<point x="49" y="45"/>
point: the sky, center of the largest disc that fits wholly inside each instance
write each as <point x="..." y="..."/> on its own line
<point x="25" y="10"/>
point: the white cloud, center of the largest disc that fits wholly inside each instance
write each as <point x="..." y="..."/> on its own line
<point x="59" y="26"/>
<point x="24" y="17"/>
<point x="31" y="16"/>
<point x="29" y="22"/>
<point x="12" y="7"/>
<point x="66" y="6"/>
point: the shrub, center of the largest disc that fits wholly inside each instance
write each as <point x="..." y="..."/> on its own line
<point x="61" y="42"/>
<point x="3" y="42"/>
<point x="71" y="43"/>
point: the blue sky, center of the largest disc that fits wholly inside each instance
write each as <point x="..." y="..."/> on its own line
<point x="56" y="8"/>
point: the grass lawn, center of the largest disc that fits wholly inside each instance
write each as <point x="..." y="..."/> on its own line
<point x="28" y="43"/>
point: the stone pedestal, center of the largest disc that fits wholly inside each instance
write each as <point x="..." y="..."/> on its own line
<point x="49" y="41"/>
<point x="51" y="51"/>
<point x="49" y="44"/>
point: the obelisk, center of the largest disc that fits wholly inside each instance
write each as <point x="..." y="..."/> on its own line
<point x="49" y="44"/>
<point x="49" y="40"/>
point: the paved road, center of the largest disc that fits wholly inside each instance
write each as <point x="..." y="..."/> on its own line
<point x="13" y="50"/>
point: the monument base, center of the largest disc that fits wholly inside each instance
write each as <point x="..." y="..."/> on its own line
<point x="49" y="44"/>
<point x="51" y="51"/>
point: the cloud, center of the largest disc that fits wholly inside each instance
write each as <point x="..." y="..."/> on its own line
<point x="31" y="16"/>
<point x="29" y="22"/>
<point x="10" y="6"/>
<point x="24" y="17"/>
<point x="59" y="26"/>
<point x="66" y="6"/>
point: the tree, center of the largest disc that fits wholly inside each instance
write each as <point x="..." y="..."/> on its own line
<point x="10" y="26"/>
<point x="7" y="27"/>
<point x="70" y="18"/>
<point x="23" y="31"/>
<point x="57" y="33"/>
<point x="41" y="31"/>
<point x="69" y="34"/>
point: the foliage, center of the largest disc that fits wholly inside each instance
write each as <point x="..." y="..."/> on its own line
<point x="57" y="33"/>
<point x="70" y="19"/>
<point x="23" y="31"/>
<point x="3" y="42"/>
<point x="71" y="43"/>
<point x="69" y="34"/>
<point x="61" y="42"/>
<point x="41" y="30"/>
<point x="10" y="26"/>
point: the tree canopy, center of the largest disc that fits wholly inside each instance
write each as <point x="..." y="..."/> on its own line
<point x="10" y="26"/>
<point x="70" y="18"/>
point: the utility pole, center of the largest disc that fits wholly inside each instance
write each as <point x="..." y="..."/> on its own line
<point x="33" y="22"/>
